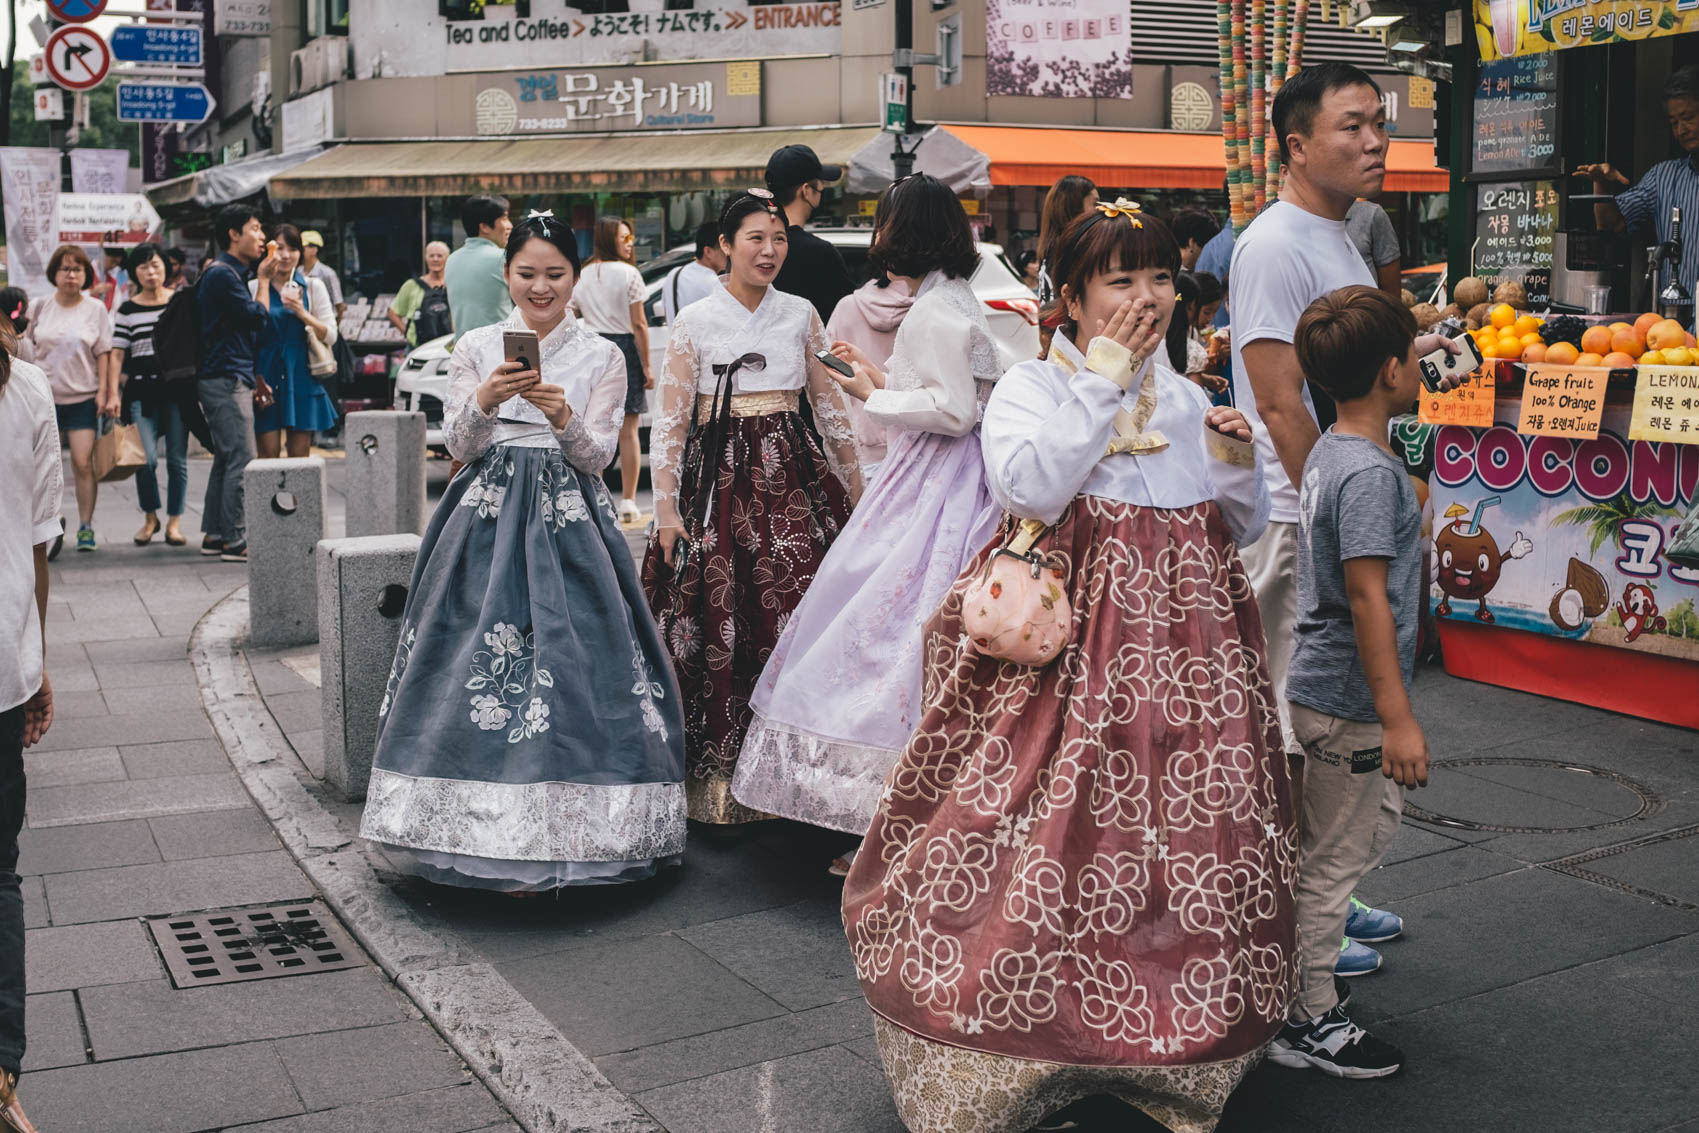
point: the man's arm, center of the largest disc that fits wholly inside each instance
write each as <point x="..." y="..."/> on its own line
<point x="1404" y="749"/>
<point x="1390" y="278"/>
<point x="231" y="299"/>
<point x="1277" y="382"/>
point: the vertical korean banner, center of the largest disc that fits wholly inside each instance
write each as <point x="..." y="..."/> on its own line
<point x="100" y="171"/>
<point x="29" y="180"/>
<point x="1059" y="48"/>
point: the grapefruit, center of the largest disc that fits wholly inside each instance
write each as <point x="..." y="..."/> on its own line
<point x="1614" y="327"/>
<point x="1617" y="360"/>
<point x="1562" y="353"/>
<point x="1646" y="322"/>
<point x="1534" y="353"/>
<point x="1666" y="334"/>
<point x="1596" y="340"/>
<point x="1629" y="343"/>
<point x="1590" y="359"/>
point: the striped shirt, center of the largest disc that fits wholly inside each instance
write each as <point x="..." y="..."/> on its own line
<point x="132" y="332"/>
<point x="1647" y="205"/>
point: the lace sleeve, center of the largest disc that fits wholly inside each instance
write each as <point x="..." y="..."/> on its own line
<point x="466" y="429"/>
<point x="590" y="438"/>
<point x="675" y="400"/>
<point x="831" y="416"/>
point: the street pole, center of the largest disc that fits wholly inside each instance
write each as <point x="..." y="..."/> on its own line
<point x="902" y="161"/>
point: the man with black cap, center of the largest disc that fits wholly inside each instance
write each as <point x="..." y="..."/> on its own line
<point x="812" y="268"/>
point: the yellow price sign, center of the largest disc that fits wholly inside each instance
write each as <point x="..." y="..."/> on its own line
<point x="1469" y="404"/>
<point x="1666" y="405"/>
<point x="1563" y="401"/>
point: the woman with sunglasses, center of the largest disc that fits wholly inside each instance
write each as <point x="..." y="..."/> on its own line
<point x="746" y="501"/>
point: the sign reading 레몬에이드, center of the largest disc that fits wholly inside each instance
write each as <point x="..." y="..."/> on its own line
<point x="598" y="99"/>
<point x="1059" y="48"/>
<point x="1504" y="28"/>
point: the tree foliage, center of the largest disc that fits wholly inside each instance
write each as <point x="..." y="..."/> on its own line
<point x="104" y="130"/>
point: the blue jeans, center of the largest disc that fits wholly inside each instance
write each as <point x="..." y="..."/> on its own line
<point x="165" y="417"/>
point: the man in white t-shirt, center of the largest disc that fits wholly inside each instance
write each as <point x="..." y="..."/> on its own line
<point x="695" y="280"/>
<point x="30" y="488"/>
<point x="1332" y="134"/>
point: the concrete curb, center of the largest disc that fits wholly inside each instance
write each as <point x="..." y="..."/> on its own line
<point x="530" y="1067"/>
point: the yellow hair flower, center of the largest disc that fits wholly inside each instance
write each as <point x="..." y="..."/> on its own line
<point x="1122" y="207"/>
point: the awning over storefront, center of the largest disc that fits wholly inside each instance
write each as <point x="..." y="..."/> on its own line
<point x="221" y="184"/>
<point x="1149" y="159"/>
<point x="636" y="163"/>
<point x="937" y="151"/>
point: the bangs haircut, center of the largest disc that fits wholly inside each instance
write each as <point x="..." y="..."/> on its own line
<point x="556" y="233"/>
<point x="605" y="245"/>
<point x="1094" y="243"/>
<point x="1296" y="104"/>
<point x="142" y="254"/>
<point x="926" y="230"/>
<point x="741" y="208"/>
<point x="289" y="236"/>
<point x="77" y="256"/>
<point x="1345" y="337"/>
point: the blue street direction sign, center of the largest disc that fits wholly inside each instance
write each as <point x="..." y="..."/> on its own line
<point x="152" y="43"/>
<point x="163" y="102"/>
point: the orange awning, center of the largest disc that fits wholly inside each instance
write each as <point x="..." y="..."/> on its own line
<point x="1151" y="159"/>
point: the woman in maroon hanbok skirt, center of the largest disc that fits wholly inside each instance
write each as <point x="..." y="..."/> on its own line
<point x="1079" y="880"/>
<point x="746" y="500"/>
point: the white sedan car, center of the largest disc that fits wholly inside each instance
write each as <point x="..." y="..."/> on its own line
<point x="1009" y="307"/>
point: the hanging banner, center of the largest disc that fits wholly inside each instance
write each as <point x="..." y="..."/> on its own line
<point x="1059" y="48"/>
<point x="1505" y="28"/>
<point x="1564" y="537"/>
<point x="100" y="170"/>
<point x="29" y="180"/>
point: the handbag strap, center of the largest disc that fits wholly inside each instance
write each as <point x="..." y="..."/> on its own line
<point x="1025" y="536"/>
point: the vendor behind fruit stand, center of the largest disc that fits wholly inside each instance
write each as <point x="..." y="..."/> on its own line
<point x="1666" y="184"/>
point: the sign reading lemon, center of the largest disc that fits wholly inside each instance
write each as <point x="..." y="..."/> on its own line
<point x="1507" y="28"/>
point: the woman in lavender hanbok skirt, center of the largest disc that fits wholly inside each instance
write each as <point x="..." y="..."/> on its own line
<point x="841" y="692"/>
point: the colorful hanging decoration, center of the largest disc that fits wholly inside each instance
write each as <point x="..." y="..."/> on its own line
<point x="1261" y="45"/>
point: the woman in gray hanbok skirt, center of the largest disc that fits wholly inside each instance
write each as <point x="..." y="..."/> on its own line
<point x="530" y="736"/>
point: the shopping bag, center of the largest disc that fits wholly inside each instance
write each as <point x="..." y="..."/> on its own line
<point x="118" y="453"/>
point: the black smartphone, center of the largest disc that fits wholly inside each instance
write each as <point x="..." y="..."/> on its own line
<point x="833" y="362"/>
<point x="521" y="346"/>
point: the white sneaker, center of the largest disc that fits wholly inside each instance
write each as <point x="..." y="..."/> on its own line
<point x="629" y="516"/>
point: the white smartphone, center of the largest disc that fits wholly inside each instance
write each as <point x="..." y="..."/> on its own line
<point x="1442" y="364"/>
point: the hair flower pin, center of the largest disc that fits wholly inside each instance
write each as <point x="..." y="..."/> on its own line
<point x="1122" y="207"/>
<point x="545" y="214"/>
<point x="765" y="196"/>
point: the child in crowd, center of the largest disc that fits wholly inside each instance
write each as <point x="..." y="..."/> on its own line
<point x="1359" y="596"/>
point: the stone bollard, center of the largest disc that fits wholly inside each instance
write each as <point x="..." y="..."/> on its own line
<point x="285" y="511"/>
<point x="386" y="472"/>
<point x="362" y="585"/>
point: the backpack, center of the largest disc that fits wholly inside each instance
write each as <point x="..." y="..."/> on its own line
<point x="432" y="320"/>
<point x="177" y="336"/>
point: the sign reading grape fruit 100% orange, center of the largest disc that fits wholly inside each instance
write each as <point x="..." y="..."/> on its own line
<point x="1666" y="405"/>
<point x="1469" y="404"/>
<point x="1563" y="401"/>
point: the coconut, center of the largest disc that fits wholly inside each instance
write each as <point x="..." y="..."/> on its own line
<point x="1426" y="315"/>
<point x="1451" y="311"/>
<point x="1408" y="296"/>
<point x="1469" y="291"/>
<point x="1480" y="314"/>
<point x="1511" y="291"/>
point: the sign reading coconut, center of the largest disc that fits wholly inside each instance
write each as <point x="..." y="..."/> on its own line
<point x="602" y="99"/>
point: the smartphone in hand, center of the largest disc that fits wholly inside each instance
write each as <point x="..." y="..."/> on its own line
<point x="833" y="362"/>
<point x="1442" y="364"/>
<point x="521" y="346"/>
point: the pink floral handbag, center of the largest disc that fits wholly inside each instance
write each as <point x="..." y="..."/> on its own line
<point x="1017" y="609"/>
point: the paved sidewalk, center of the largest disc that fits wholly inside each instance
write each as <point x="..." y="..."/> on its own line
<point x="1534" y="991"/>
<point x="135" y="812"/>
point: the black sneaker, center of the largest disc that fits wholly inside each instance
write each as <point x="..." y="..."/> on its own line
<point x="234" y="553"/>
<point x="1342" y="989"/>
<point x="1336" y="1046"/>
<point x="212" y="545"/>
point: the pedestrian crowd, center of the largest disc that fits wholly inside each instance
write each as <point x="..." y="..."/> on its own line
<point x="1103" y="655"/>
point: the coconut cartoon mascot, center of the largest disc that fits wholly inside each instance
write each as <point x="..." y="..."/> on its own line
<point x="1467" y="559"/>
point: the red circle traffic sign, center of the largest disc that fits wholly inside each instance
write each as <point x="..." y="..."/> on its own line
<point x="77" y="57"/>
<point x="76" y="11"/>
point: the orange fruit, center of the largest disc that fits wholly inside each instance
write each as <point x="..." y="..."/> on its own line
<point x="1562" y="353"/>
<point x="1621" y="326"/>
<point x="1596" y="340"/>
<point x="1503" y="315"/>
<point x="1530" y="339"/>
<point x="1627" y="342"/>
<point x="1526" y="324"/>
<point x="1590" y="359"/>
<point x="1534" y="353"/>
<point x="1692" y="343"/>
<point x="1646" y="322"/>
<point x="1489" y="349"/>
<point x="1617" y="360"/>
<point x="1666" y="334"/>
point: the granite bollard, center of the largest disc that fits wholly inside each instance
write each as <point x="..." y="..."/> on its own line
<point x="386" y="472"/>
<point x="285" y="510"/>
<point x="362" y="590"/>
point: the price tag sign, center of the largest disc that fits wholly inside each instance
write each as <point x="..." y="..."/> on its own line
<point x="1563" y="401"/>
<point x="1666" y="405"/>
<point x="1468" y="404"/>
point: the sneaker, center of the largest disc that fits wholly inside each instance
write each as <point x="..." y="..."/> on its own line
<point x="1335" y="1046"/>
<point x="629" y="515"/>
<point x="212" y="545"/>
<point x="85" y="538"/>
<point x="1372" y="926"/>
<point x="1356" y="959"/>
<point x="1341" y="989"/>
<point x="238" y="553"/>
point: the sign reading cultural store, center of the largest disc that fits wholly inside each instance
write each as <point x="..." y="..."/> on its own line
<point x="605" y="99"/>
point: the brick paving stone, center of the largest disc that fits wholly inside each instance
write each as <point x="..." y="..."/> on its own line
<point x="182" y="757"/>
<point x="35" y="903"/>
<point x="794" y="954"/>
<point x="113" y="801"/>
<point x="346" y="1067"/>
<point x="662" y="1064"/>
<point x="822" y="1091"/>
<point x="125" y="1020"/>
<point x="454" y="1109"/>
<point x="53" y="1031"/>
<point x="46" y="769"/>
<point x="174" y="887"/>
<point x="158" y="700"/>
<point x="110" y="731"/>
<point x="213" y="834"/>
<point x="101" y="845"/>
<point x="144" y="674"/>
<point x="87" y="955"/>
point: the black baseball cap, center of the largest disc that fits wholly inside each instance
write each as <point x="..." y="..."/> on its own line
<point x="797" y="165"/>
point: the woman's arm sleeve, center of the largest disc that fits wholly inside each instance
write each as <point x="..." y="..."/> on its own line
<point x="467" y="430"/>
<point x="590" y="438"/>
<point x="322" y="309"/>
<point x="831" y="416"/>
<point x="939" y="353"/>
<point x="675" y="402"/>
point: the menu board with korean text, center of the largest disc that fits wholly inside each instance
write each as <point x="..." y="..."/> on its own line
<point x="1516" y="116"/>
<point x="1515" y="233"/>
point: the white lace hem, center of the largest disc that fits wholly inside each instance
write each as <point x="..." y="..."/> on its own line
<point x="810" y="778"/>
<point x="536" y="822"/>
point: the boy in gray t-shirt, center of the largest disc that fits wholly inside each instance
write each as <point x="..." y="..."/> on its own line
<point x="1359" y="594"/>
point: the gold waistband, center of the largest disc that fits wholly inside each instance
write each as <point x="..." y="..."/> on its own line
<point x="751" y="404"/>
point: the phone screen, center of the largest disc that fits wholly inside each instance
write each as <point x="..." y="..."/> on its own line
<point x="833" y="362"/>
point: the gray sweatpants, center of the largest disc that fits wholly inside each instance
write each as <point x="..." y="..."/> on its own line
<point x="229" y="408"/>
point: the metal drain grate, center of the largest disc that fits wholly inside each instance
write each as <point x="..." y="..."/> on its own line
<point x="258" y="942"/>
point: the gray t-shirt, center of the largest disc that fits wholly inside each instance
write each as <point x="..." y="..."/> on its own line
<point x="1371" y="230"/>
<point x="1356" y="503"/>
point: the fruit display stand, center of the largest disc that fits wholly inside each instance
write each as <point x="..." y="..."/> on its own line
<point x="1549" y="566"/>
